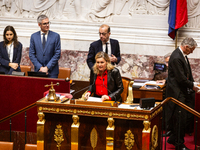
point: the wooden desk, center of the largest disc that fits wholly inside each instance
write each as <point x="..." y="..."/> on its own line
<point x="146" y="93"/>
<point x="137" y="92"/>
<point x="93" y="127"/>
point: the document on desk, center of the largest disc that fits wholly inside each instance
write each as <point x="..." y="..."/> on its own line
<point x="126" y="106"/>
<point x="94" y="99"/>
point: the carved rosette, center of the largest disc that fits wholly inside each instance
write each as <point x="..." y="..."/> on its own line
<point x="58" y="136"/>
<point x="129" y="140"/>
<point x="93" y="138"/>
<point x="154" y="137"/>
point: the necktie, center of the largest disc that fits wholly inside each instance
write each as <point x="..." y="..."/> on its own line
<point x="44" y="40"/>
<point x="106" y="48"/>
<point x="187" y="60"/>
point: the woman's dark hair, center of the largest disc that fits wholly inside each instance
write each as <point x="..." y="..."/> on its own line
<point x="10" y="28"/>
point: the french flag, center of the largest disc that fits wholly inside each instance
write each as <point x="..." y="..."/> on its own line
<point x="178" y="16"/>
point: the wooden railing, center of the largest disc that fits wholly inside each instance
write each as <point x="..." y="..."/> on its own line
<point x="197" y="114"/>
<point x="17" y="113"/>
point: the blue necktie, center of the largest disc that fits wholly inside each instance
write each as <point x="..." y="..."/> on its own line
<point x="44" y="40"/>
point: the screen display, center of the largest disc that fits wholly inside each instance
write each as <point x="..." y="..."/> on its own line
<point x="160" y="67"/>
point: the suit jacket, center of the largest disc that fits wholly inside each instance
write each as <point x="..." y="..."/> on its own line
<point x="96" y="47"/>
<point x="115" y="85"/>
<point x="180" y="79"/>
<point x="49" y="56"/>
<point x="5" y="60"/>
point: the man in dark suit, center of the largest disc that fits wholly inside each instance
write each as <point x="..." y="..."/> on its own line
<point x="44" y="51"/>
<point x="110" y="46"/>
<point x="181" y="86"/>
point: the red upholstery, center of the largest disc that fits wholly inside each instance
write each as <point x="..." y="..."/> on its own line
<point x="18" y="92"/>
<point x="6" y="145"/>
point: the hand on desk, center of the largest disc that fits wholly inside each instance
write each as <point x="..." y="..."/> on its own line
<point x="104" y="97"/>
<point x="161" y="81"/>
<point x="87" y="95"/>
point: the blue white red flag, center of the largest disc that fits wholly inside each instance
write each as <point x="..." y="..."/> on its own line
<point x="178" y="16"/>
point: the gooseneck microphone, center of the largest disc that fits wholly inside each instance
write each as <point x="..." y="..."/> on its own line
<point x="82" y="90"/>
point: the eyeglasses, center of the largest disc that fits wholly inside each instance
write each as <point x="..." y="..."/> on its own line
<point x="102" y="34"/>
<point x="45" y="24"/>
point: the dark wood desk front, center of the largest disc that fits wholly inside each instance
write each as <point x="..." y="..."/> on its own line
<point x="92" y="131"/>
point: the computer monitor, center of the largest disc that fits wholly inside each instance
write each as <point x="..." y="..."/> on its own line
<point x="37" y="74"/>
<point x="160" y="67"/>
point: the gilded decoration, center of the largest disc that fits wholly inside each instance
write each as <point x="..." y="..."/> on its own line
<point x="129" y="140"/>
<point x="58" y="136"/>
<point x="93" y="138"/>
<point x="76" y="122"/>
<point x="92" y="113"/>
<point x="110" y="134"/>
<point x="154" y="137"/>
<point x="146" y="126"/>
<point x="41" y="119"/>
<point x="40" y="108"/>
<point x="156" y="112"/>
<point x="146" y="116"/>
<point x="40" y="127"/>
<point x="101" y="113"/>
<point x="74" y="132"/>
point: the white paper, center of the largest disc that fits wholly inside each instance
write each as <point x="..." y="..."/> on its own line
<point x="94" y="99"/>
<point x="154" y="83"/>
<point x="125" y="106"/>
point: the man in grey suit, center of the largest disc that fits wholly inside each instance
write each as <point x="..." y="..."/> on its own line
<point x="44" y="51"/>
<point x="181" y="86"/>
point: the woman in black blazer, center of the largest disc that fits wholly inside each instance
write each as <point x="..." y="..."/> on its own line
<point x="105" y="79"/>
<point x="10" y="51"/>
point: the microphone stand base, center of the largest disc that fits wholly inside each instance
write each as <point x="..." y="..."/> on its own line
<point x="115" y="104"/>
<point x="72" y="101"/>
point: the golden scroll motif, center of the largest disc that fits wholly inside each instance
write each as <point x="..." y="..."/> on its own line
<point x="110" y="134"/>
<point x="129" y="140"/>
<point x="40" y="130"/>
<point x="74" y="132"/>
<point x="58" y="136"/>
<point x="154" y="137"/>
<point x="93" y="138"/>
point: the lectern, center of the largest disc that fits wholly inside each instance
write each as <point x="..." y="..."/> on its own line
<point x="87" y="126"/>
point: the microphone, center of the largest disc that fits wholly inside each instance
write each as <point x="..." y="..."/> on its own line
<point x="82" y="89"/>
<point x="109" y="91"/>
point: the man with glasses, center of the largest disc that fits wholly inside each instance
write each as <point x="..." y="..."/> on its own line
<point x="44" y="51"/>
<point x="110" y="46"/>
